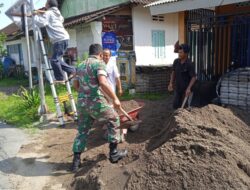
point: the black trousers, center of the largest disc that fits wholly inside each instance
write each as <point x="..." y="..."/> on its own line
<point x="178" y="99"/>
<point x="57" y="62"/>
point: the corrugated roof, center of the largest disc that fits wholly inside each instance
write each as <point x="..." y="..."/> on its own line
<point x="12" y="30"/>
<point x="88" y="17"/>
<point x="143" y="2"/>
<point x="159" y="2"/>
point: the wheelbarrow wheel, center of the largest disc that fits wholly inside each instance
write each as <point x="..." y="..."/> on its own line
<point x="134" y="128"/>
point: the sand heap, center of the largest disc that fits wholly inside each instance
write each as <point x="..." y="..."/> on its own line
<point x="202" y="148"/>
<point x="207" y="148"/>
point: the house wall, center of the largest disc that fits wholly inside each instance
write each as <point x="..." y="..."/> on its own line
<point x="77" y="7"/>
<point x="72" y="40"/>
<point x="86" y="34"/>
<point x="14" y="56"/>
<point x="84" y="38"/>
<point x="142" y="28"/>
<point x="25" y="53"/>
<point x="23" y="43"/>
<point x="182" y="27"/>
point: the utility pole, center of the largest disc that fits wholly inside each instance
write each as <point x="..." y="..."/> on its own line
<point x="28" y="44"/>
<point x="43" y="107"/>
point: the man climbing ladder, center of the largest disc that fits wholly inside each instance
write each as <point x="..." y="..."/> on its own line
<point x="56" y="100"/>
<point x="59" y="37"/>
<point x="52" y="20"/>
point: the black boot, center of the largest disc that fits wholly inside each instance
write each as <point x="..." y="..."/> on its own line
<point x="76" y="161"/>
<point x="116" y="155"/>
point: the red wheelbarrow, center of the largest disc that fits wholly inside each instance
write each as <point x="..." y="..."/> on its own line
<point x="134" y="115"/>
<point x="126" y="123"/>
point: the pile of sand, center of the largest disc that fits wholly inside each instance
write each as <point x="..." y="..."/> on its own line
<point x="205" y="148"/>
<point x="202" y="148"/>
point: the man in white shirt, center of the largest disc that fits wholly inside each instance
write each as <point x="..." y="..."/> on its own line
<point x="52" y="20"/>
<point x="113" y="73"/>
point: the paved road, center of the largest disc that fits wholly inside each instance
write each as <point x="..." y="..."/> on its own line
<point x="11" y="139"/>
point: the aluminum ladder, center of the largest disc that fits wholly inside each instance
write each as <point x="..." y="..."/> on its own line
<point x="49" y="70"/>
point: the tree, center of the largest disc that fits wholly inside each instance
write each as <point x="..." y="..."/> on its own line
<point x="3" y="38"/>
<point x="2" y="41"/>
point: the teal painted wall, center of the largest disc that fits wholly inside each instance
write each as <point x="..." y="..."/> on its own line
<point x="76" y="7"/>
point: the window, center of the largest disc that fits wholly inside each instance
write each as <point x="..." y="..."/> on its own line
<point x="13" y="49"/>
<point x="158" y="18"/>
<point x="158" y="43"/>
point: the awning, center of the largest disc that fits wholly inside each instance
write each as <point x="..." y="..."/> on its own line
<point x="172" y="6"/>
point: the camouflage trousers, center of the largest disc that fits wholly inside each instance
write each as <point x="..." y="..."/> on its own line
<point x="88" y="112"/>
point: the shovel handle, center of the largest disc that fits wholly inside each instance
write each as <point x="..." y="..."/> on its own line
<point x="121" y="109"/>
<point x="184" y="101"/>
<point x="126" y="114"/>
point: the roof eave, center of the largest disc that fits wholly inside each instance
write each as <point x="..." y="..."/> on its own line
<point x="184" y="5"/>
<point x="89" y="17"/>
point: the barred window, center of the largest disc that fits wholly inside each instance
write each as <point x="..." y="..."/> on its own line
<point x="158" y="43"/>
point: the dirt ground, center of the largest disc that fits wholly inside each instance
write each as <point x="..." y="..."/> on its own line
<point x="201" y="148"/>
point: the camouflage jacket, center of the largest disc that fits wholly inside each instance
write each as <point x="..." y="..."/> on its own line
<point x="87" y="75"/>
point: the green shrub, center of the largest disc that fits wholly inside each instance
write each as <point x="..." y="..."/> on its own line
<point x="30" y="98"/>
<point x="14" y="112"/>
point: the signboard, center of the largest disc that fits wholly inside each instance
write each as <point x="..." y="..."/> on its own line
<point x="109" y="41"/>
<point x="17" y="9"/>
<point x="122" y="27"/>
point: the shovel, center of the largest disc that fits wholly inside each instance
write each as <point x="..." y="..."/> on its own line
<point x="131" y="122"/>
<point x="189" y="99"/>
<point x="126" y="114"/>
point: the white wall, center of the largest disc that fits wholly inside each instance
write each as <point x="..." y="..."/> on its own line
<point x="72" y="40"/>
<point x="83" y="38"/>
<point x="142" y="27"/>
<point x="86" y="35"/>
<point x="96" y="29"/>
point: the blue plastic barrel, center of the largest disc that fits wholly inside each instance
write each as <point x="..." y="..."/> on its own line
<point x="7" y="62"/>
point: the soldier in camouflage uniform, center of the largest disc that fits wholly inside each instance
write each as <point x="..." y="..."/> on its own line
<point x="92" y="105"/>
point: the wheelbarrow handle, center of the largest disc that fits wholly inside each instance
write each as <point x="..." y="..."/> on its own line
<point x="125" y="113"/>
<point x="121" y="109"/>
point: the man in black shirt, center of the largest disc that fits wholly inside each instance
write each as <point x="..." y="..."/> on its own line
<point x="183" y="76"/>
